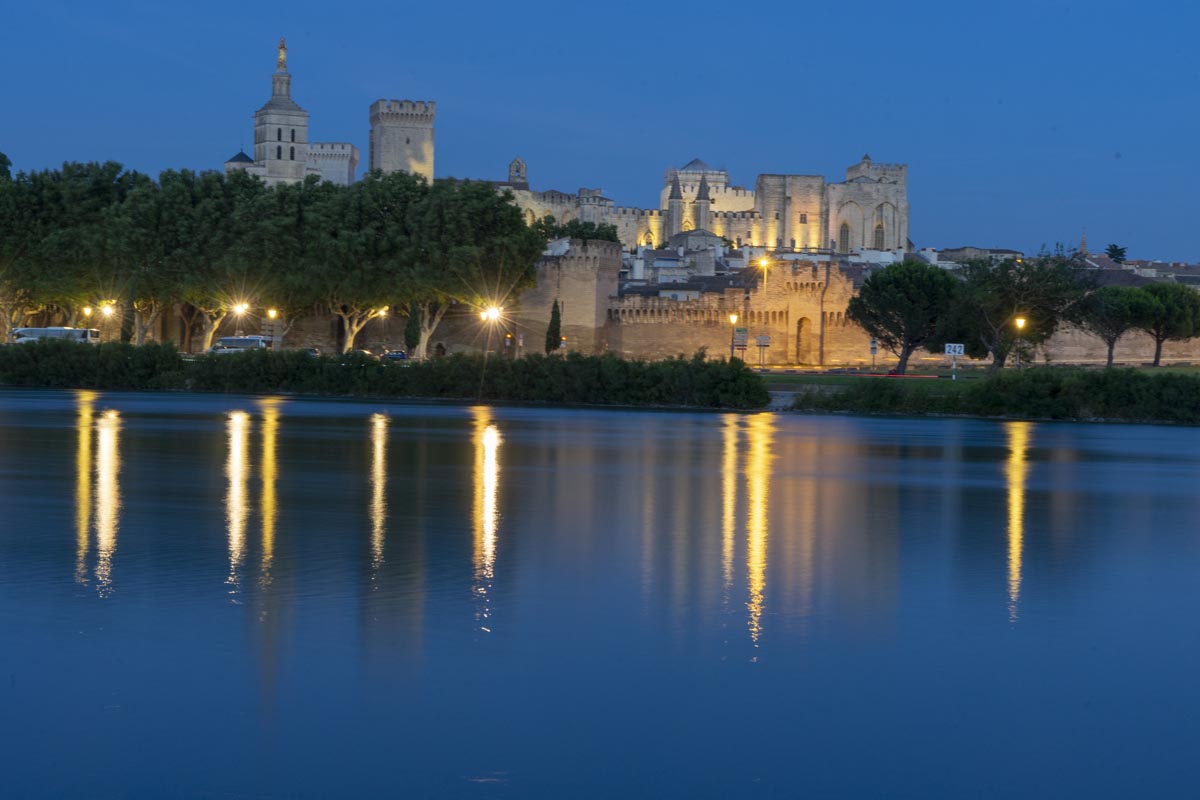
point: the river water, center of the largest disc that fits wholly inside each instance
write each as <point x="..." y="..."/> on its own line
<point x="221" y="596"/>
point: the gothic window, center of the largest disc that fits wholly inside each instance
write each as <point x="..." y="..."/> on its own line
<point x="293" y="134"/>
<point x="879" y="236"/>
<point x="279" y="134"/>
<point x="844" y="238"/>
<point x="804" y="219"/>
<point x="292" y="153"/>
<point x="278" y="152"/>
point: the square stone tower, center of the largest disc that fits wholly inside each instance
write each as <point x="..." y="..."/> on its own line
<point x="281" y="130"/>
<point x="402" y="136"/>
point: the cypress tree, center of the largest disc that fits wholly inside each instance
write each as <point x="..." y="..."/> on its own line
<point x="412" y="329"/>
<point x="554" y="331"/>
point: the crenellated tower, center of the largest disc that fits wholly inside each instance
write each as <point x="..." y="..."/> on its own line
<point x="402" y="136"/>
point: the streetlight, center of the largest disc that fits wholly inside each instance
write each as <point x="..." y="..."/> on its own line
<point x="87" y="312"/>
<point x="239" y="311"/>
<point x="732" y="331"/>
<point x="107" y="310"/>
<point x="1020" y="323"/>
<point x="272" y="313"/>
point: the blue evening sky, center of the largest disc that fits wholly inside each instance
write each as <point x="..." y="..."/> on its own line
<point x="1021" y="122"/>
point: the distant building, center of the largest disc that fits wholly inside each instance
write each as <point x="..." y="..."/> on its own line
<point x="796" y="213"/>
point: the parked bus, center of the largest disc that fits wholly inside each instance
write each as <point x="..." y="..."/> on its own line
<point x="80" y="335"/>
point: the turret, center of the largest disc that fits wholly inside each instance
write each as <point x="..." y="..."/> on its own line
<point x="675" y="208"/>
<point x="281" y="129"/>
<point x="703" y="206"/>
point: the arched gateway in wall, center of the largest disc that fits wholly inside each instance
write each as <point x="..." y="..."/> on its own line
<point x="806" y="342"/>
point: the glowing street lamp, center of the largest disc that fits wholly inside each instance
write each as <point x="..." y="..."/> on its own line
<point x="240" y="311"/>
<point x="732" y="330"/>
<point x="272" y="313"/>
<point x="87" y="312"/>
<point x="1020" y="323"/>
<point x="107" y="310"/>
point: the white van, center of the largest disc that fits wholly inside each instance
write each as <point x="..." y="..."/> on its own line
<point x="237" y="344"/>
<point x="80" y="335"/>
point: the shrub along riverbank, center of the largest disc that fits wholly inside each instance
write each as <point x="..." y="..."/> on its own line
<point x="1038" y="393"/>
<point x="574" y="379"/>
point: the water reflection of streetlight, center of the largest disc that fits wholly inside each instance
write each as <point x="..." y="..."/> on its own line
<point x="83" y="481"/>
<point x="486" y="515"/>
<point x="268" y="507"/>
<point x="1016" y="472"/>
<point x="379" y="431"/>
<point x="758" y="482"/>
<point x="237" y="472"/>
<point x="108" y="497"/>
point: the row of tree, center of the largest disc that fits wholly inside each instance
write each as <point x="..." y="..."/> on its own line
<point x="199" y="244"/>
<point x="912" y="306"/>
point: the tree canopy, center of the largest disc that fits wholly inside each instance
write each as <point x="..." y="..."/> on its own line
<point x="1116" y="253"/>
<point x="1111" y="311"/>
<point x="204" y="243"/>
<point x="1174" y="315"/>
<point x="902" y="306"/>
<point x="576" y="229"/>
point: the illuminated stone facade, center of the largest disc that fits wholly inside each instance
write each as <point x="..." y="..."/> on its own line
<point x="795" y="213"/>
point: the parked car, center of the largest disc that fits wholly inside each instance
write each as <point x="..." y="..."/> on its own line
<point x="394" y="355"/>
<point x="237" y="344"/>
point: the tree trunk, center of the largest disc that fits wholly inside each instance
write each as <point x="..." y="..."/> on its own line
<point x="1158" y="343"/>
<point x="209" y="322"/>
<point x="352" y="322"/>
<point x="998" y="359"/>
<point x="1112" y="344"/>
<point x="143" y="321"/>
<point x="905" y="352"/>
<point x="430" y="319"/>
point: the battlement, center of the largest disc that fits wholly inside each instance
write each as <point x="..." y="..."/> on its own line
<point x="411" y="112"/>
<point x="736" y="215"/>
<point x="331" y="149"/>
<point x="869" y="169"/>
<point x="639" y="212"/>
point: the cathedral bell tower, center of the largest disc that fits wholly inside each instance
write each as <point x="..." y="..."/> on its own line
<point x="281" y="129"/>
<point x="675" y="209"/>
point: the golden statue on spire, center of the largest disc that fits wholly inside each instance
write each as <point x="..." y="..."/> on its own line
<point x="281" y="64"/>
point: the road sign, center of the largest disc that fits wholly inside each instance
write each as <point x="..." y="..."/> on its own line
<point x="954" y="350"/>
<point x="739" y="337"/>
<point x="762" y="341"/>
<point x="874" y="346"/>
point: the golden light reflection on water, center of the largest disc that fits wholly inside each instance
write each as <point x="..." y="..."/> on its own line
<point x="84" y="422"/>
<point x="268" y="504"/>
<point x="486" y="517"/>
<point x="759" y="432"/>
<point x="729" y="477"/>
<point x="108" y="496"/>
<point x="1016" y="471"/>
<point x="379" y="432"/>
<point x="236" y="468"/>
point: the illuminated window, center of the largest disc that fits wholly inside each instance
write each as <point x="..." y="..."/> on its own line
<point x="844" y="238"/>
<point x="879" y="236"/>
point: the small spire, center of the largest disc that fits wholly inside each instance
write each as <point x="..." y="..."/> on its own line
<point x="866" y="158"/>
<point x="702" y="192"/>
<point x="1083" y="243"/>
<point x="281" y="63"/>
<point x="676" y="190"/>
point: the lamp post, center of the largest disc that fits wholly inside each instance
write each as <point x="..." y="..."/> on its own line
<point x="1020" y="323"/>
<point x="732" y="332"/>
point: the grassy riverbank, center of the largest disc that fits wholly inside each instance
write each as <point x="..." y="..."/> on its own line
<point x="1038" y="393"/>
<point x="573" y="379"/>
